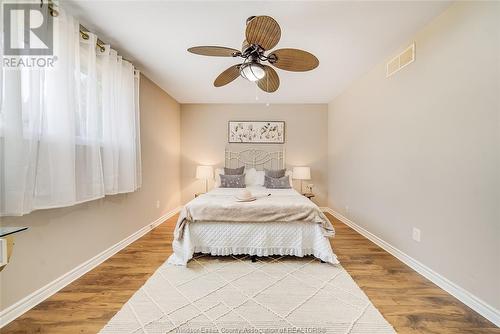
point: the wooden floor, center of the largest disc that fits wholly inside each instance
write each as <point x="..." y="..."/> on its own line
<point x="408" y="301"/>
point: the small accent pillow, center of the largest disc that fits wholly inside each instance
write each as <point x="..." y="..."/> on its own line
<point x="234" y="171"/>
<point x="277" y="183"/>
<point x="232" y="181"/>
<point x="275" y="173"/>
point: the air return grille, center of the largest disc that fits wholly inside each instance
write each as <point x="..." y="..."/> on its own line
<point x="401" y="60"/>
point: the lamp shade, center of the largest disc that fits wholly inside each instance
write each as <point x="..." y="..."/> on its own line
<point x="301" y="173"/>
<point x="204" y="172"/>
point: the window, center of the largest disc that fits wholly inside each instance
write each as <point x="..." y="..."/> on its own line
<point x="69" y="134"/>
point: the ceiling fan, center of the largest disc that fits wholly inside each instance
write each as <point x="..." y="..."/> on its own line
<point x="261" y="35"/>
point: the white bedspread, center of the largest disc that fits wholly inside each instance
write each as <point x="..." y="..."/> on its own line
<point x="272" y="205"/>
<point x="284" y="223"/>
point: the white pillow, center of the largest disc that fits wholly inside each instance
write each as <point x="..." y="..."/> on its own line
<point x="259" y="178"/>
<point x="218" y="172"/>
<point x="289" y="173"/>
<point x="250" y="174"/>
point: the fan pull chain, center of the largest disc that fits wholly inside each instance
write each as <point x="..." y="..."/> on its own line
<point x="267" y="84"/>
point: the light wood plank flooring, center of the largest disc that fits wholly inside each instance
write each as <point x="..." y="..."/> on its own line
<point x="407" y="300"/>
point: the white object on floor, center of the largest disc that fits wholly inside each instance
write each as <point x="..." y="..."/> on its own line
<point x="234" y="295"/>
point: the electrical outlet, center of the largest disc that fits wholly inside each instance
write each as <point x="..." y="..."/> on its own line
<point x="416" y="234"/>
<point x="157" y="204"/>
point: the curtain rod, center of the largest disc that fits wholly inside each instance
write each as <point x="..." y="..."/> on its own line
<point x="84" y="32"/>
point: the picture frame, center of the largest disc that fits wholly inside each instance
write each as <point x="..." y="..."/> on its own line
<point x="256" y="132"/>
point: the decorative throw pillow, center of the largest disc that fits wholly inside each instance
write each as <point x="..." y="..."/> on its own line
<point x="234" y="171"/>
<point x="232" y="181"/>
<point x="275" y="173"/>
<point x="277" y="183"/>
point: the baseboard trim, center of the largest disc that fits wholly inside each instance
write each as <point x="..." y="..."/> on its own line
<point x="475" y="303"/>
<point x="14" y="311"/>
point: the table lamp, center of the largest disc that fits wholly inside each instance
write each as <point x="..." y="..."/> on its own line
<point x="205" y="173"/>
<point x="301" y="173"/>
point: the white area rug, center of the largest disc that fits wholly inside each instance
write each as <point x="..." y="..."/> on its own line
<point x="234" y="295"/>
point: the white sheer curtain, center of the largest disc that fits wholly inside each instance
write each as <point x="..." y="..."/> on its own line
<point x="69" y="134"/>
<point x="120" y="123"/>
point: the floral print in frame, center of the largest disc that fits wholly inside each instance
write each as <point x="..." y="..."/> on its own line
<point x="257" y="132"/>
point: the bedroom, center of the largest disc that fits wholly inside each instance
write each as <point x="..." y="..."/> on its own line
<point x="393" y="135"/>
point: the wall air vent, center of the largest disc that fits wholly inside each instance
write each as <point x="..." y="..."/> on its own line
<point x="401" y="60"/>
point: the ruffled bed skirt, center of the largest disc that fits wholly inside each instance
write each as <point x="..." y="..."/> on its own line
<point x="260" y="239"/>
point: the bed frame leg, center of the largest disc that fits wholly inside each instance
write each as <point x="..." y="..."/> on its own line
<point x="254" y="258"/>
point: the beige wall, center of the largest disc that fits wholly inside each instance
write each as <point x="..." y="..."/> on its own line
<point x="422" y="149"/>
<point x="204" y="137"/>
<point x="59" y="240"/>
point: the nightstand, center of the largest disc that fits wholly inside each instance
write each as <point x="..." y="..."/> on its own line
<point x="308" y="195"/>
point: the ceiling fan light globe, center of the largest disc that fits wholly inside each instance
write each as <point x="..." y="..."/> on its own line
<point x="252" y="72"/>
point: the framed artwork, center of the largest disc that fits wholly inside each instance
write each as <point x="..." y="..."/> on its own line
<point x="256" y="132"/>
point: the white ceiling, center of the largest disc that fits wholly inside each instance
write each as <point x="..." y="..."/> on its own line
<point x="349" y="38"/>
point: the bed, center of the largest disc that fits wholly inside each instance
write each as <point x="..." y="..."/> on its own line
<point x="279" y="222"/>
